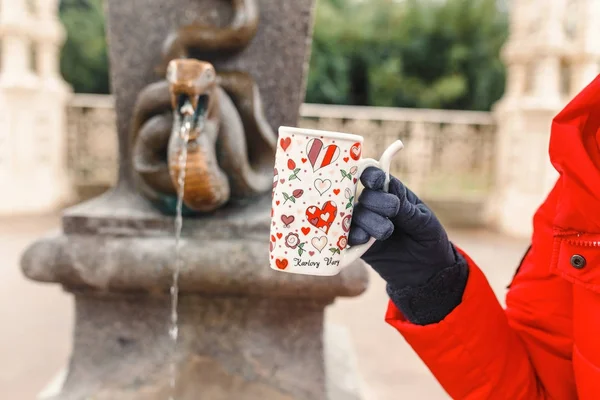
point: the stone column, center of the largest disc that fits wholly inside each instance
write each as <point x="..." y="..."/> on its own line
<point x="533" y="55"/>
<point x="246" y="332"/>
<point x="32" y="125"/>
<point x="53" y="96"/>
<point x="585" y="59"/>
<point x="16" y="30"/>
<point x="19" y="157"/>
<point x="49" y="38"/>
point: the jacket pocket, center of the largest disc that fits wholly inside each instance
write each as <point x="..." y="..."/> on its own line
<point x="576" y="257"/>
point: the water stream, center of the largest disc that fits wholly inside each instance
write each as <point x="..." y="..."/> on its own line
<point x="184" y="135"/>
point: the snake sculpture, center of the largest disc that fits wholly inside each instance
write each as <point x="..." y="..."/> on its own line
<point x="230" y="147"/>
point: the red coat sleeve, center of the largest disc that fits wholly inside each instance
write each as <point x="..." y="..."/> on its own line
<point x="481" y="351"/>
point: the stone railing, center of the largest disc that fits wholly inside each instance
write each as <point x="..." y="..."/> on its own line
<point x="448" y="154"/>
<point x="92" y="150"/>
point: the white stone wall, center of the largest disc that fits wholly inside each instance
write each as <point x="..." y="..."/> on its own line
<point x="33" y="99"/>
<point x="551" y="54"/>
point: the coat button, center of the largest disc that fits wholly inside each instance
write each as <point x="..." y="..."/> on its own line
<point x="578" y="261"/>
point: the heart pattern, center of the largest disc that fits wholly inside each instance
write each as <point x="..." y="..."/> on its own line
<point x="321" y="156"/>
<point x="346" y="223"/>
<point x="307" y="223"/>
<point x="285" y="143"/>
<point x="322" y="185"/>
<point x="319" y="243"/>
<point x="355" y="151"/>
<point x="281" y="263"/>
<point x="322" y="218"/>
<point x="287" y="219"/>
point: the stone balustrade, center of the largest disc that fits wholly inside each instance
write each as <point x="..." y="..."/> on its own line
<point x="92" y="148"/>
<point x="448" y="158"/>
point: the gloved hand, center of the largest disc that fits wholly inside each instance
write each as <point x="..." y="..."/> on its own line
<point x="425" y="274"/>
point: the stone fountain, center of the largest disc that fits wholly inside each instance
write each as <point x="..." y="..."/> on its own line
<point x="245" y="331"/>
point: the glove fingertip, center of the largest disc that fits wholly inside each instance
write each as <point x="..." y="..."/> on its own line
<point x="386" y="230"/>
<point x="373" y="178"/>
<point x="384" y="204"/>
<point x="357" y="236"/>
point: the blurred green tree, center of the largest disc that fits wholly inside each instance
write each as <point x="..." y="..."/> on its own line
<point x="414" y="53"/>
<point x="84" y="58"/>
<point x="410" y="53"/>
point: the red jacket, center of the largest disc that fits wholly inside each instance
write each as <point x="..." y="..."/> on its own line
<point x="546" y="344"/>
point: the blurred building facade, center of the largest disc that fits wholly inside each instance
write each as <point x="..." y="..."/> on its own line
<point x="552" y="52"/>
<point x="477" y="168"/>
<point x="33" y="99"/>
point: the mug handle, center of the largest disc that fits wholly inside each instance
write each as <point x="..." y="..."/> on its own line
<point x="384" y="163"/>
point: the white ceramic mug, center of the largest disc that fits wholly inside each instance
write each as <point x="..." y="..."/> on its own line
<point x="314" y="187"/>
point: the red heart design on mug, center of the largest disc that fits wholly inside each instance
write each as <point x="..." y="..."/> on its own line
<point x="304" y="160"/>
<point x="285" y="143"/>
<point x="281" y="263"/>
<point x="311" y="253"/>
<point x="277" y="202"/>
<point x="322" y="218"/>
<point x="306" y="231"/>
<point x="279" y="235"/>
<point x="355" y="151"/>
<point x="273" y="238"/>
<point x="346" y="159"/>
<point x="336" y="191"/>
<point x="319" y="155"/>
<point x="346" y="223"/>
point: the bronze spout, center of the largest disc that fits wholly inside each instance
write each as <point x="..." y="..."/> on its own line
<point x="192" y="85"/>
<point x="230" y="144"/>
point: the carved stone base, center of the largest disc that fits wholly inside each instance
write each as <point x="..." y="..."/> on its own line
<point x="229" y="348"/>
<point x="246" y="331"/>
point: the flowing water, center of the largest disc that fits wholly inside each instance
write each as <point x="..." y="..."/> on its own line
<point x="184" y="135"/>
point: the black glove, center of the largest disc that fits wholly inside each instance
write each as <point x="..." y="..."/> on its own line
<point x="426" y="276"/>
